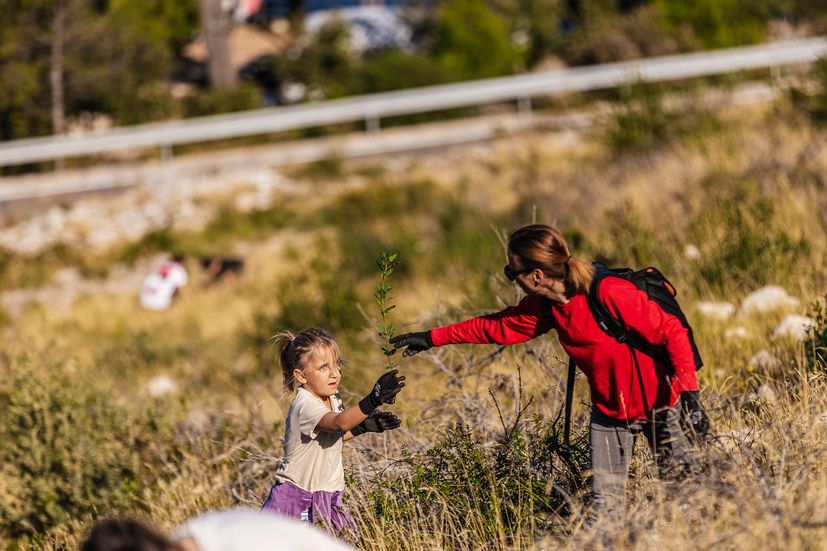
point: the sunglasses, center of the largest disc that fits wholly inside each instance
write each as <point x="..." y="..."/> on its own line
<point x="511" y="274"/>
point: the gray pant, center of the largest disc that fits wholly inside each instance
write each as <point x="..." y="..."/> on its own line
<point x="612" y="442"/>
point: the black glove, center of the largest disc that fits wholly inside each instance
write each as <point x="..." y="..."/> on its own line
<point x="378" y="421"/>
<point x="416" y="342"/>
<point x="384" y="392"/>
<point x="694" y="416"/>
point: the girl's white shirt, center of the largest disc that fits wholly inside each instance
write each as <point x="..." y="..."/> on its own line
<point x="312" y="460"/>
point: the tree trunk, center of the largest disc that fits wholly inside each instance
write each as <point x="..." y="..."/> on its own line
<point x="215" y="26"/>
<point x="56" y="69"/>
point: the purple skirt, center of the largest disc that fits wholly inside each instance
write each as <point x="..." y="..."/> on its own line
<point x="327" y="510"/>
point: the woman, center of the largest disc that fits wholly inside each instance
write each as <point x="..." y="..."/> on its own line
<point x="627" y="399"/>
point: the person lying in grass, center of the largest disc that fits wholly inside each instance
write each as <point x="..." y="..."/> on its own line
<point x="310" y="481"/>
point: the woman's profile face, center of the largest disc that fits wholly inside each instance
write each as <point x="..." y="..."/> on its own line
<point x="521" y="276"/>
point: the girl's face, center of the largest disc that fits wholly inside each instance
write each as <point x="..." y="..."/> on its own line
<point x="321" y="372"/>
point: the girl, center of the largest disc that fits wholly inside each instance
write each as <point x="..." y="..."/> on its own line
<point x="557" y="284"/>
<point x="310" y="480"/>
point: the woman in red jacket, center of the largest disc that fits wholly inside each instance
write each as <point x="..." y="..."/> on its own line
<point x="623" y="403"/>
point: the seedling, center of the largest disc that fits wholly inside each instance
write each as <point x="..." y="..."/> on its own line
<point x="387" y="263"/>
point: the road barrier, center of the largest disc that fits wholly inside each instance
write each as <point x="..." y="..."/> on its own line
<point x="372" y="108"/>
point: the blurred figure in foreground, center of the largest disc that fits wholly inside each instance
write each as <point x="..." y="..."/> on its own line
<point x="162" y="285"/>
<point x="230" y="530"/>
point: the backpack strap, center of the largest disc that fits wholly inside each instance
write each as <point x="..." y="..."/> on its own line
<point x="610" y="324"/>
<point x="569" y="398"/>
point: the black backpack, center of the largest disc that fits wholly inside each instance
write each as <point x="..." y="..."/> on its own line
<point x="657" y="288"/>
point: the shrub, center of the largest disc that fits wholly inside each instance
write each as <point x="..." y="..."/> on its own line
<point x="756" y="248"/>
<point x="814" y="105"/>
<point x="816" y="346"/>
<point x="394" y="70"/>
<point x="472" y="41"/>
<point x="219" y="100"/>
<point x="66" y="451"/>
<point x="722" y="23"/>
<point x="511" y="484"/>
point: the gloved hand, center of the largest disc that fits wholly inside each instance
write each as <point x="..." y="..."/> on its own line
<point x="384" y="391"/>
<point x="378" y="421"/>
<point x="416" y="342"/>
<point x="694" y="415"/>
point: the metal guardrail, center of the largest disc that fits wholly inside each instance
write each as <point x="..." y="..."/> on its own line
<point x="371" y="108"/>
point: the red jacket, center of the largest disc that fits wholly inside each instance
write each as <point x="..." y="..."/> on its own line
<point x="608" y="365"/>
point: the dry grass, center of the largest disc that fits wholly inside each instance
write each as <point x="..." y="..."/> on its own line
<point x="216" y="441"/>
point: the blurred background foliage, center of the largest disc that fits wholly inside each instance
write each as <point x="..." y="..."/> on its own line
<point x="122" y="60"/>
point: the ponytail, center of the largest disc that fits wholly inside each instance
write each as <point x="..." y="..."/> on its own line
<point x="579" y="275"/>
<point x="283" y="341"/>
<point x="541" y="246"/>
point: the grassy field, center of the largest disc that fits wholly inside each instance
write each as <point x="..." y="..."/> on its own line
<point x="474" y="465"/>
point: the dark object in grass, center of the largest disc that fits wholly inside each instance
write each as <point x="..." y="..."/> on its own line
<point x="219" y="267"/>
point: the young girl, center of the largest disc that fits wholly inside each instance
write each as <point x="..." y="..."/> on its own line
<point x="310" y="480"/>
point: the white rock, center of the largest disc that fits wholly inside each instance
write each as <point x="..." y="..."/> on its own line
<point x="763" y="360"/>
<point x="716" y="310"/>
<point x="691" y="252"/>
<point x="161" y="385"/>
<point x="767" y="299"/>
<point x="795" y="327"/>
<point x="736" y="332"/>
<point x="764" y="393"/>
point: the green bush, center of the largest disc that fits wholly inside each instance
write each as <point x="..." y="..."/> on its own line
<point x="394" y="70"/>
<point x="813" y="105"/>
<point x="511" y="483"/>
<point x="66" y="451"/>
<point x="641" y="122"/>
<point x="756" y="247"/>
<point x="472" y="41"/>
<point x="629" y="240"/>
<point x="210" y="102"/>
<point x="723" y="23"/>
<point x="816" y="346"/>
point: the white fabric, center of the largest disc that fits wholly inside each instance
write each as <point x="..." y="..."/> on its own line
<point x="159" y="287"/>
<point x="312" y="461"/>
<point x="249" y="530"/>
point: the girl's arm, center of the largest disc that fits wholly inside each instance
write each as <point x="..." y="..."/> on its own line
<point x="383" y="392"/>
<point x="341" y="422"/>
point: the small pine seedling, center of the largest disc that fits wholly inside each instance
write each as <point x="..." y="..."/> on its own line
<point x="387" y="263"/>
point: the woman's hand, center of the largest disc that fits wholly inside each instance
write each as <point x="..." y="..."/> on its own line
<point x="694" y="414"/>
<point x="416" y="342"/>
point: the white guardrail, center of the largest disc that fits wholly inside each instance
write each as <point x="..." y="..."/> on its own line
<point x="371" y="108"/>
